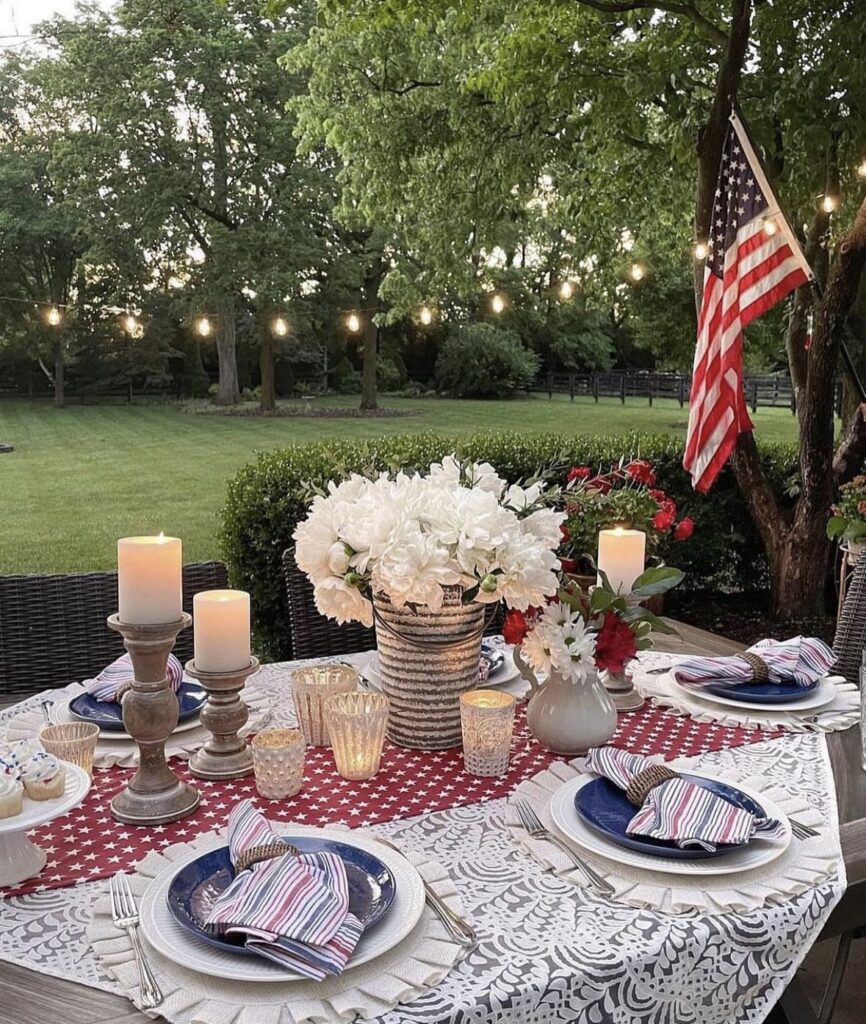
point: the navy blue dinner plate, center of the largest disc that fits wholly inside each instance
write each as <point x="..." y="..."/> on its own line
<point x="603" y="806"/>
<point x="195" y="887"/>
<point x="759" y="693"/>
<point x="109" y="716"/>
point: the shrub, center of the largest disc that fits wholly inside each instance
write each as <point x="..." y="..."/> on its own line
<point x="484" y="361"/>
<point x="270" y="495"/>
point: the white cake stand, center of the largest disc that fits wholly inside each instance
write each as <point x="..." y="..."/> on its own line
<point x="19" y="857"/>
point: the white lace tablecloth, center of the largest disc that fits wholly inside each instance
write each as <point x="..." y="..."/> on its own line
<point x="548" y="952"/>
<point x="660" y="687"/>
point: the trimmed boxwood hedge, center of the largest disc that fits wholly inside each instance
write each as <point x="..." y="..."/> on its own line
<point x="270" y="495"/>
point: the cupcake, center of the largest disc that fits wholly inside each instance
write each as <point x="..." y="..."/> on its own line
<point x="13" y="756"/>
<point x="44" y="777"/>
<point x="11" y="796"/>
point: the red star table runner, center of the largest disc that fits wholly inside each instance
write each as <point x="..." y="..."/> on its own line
<point x="87" y="843"/>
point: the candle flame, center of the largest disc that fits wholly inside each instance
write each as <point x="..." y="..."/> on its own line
<point x="161" y="538"/>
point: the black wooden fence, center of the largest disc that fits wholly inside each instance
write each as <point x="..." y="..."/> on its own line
<point x="773" y="390"/>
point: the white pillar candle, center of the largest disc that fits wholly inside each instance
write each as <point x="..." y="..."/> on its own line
<point x="221" y="620"/>
<point x="621" y="556"/>
<point x="149" y="579"/>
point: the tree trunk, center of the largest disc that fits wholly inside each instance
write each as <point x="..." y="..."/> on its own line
<point x="229" y="392"/>
<point x="372" y="281"/>
<point x="268" y="400"/>
<point x="59" y="372"/>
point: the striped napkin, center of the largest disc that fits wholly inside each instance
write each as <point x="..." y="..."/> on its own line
<point x="119" y="674"/>
<point x="681" y="811"/>
<point x="293" y="909"/>
<point x="799" y="661"/>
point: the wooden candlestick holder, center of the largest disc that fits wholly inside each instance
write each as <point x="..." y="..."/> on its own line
<point x="154" y="795"/>
<point x="225" y="755"/>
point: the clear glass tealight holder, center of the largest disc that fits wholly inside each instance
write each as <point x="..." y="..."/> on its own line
<point x="311" y="686"/>
<point x="74" y="742"/>
<point x="278" y="762"/>
<point x="357" y="723"/>
<point x="487" y="720"/>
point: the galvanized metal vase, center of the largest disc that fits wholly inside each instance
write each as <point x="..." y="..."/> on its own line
<point x="426" y="660"/>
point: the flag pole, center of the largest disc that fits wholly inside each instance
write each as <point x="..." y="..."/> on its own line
<point x="815" y="285"/>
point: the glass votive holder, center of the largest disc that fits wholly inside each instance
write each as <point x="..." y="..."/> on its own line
<point x="74" y="742"/>
<point x="357" y="722"/>
<point x="278" y="762"/>
<point x="487" y="720"/>
<point x="310" y="687"/>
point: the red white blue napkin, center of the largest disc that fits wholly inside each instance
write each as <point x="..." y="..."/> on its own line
<point x="679" y="810"/>
<point x="799" y="661"/>
<point x="119" y="674"/>
<point x="293" y="909"/>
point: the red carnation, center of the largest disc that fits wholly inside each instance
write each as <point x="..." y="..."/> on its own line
<point x="568" y="565"/>
<point x="663" y="520"/>
<point x="615" y="644"/>
<point x="684" y="528"/>
<point x="579" y="473"/>
<point x="657" y="494"/>
<point x="515" y="627"/>
<point x="641" y="471"/>
<point x="600" y="484"/>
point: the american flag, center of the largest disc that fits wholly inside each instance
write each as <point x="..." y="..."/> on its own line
<point x="753" y="262"/>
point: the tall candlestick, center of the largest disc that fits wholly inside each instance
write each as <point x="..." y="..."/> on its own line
<point x="149" y="580"/>
<point x="621" y="556"/>
<point x="221" y="620"/>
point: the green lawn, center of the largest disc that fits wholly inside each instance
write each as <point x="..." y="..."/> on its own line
<point x="81" y="477"/>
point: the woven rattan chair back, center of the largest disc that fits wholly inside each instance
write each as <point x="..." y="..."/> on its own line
<point x="850" y="637"/>
<point x="53" y="631"/>
<point x="314" y="636"/>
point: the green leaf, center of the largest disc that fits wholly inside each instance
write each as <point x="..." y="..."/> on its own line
<point x="600" y="599"/>
<point x="836" y="526"/>
<point x="657" y="580"/>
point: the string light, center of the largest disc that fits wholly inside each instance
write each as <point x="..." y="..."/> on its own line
<point x="566" y="290"/>
<point x="497" y="303"/>
<point x="54" y="316"/>
<point x="861" y="170"/>
<point x="203" y="326"/>
<point x="701" y="250"/>
<point x="353" y="323"/>
<point x="828" y="204"/>
<point x="131" y="325"/>
<point x="280" y="327"/>
<point x="770" y="227"/>
<point x="425" y="315"/>
<point x="637" y="271"/>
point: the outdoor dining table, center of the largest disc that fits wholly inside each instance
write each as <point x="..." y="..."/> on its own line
<point x="30" y="998"/>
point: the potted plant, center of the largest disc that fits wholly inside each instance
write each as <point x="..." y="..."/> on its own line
<point x="848" y="521"/>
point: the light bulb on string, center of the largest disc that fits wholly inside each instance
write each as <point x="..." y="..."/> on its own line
<point x="637" y="272"/>
<point x="701" y="250"/>
<point x="566" y="290"/>
<point x="497" y="303"/>
<point x="54" y="316"/>
<point x="353" y="323"/>
<point x="280" y="327"/>
<point x="828" y="203"/>
<point x="131" y="325"/>
<point x="203" y="327"/>
<point x="425" y="315"/>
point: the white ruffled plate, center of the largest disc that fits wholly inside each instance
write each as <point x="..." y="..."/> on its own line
<point x="823" y="694"/>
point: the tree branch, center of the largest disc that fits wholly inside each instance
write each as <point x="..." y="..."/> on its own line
<point x="848" y="460"/>
<point x="689" y="11"/>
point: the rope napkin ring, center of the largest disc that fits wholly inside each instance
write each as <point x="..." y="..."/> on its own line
<point x="759" y="666"/>
<point x="640" y="786"/>
<point x="256" y="854"/>
<point x="122" y="690"/>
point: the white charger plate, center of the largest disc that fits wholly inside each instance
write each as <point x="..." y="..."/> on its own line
<point x="744" y="858"/>
<point x="60" y="714"/>
<point x="177" y="945"/>
<point x="823" y="694"/>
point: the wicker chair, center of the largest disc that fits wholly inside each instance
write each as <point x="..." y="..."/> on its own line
<point x="53" y="631"/>
<point x="314" y="636"/>
<point x="850" y="639"/>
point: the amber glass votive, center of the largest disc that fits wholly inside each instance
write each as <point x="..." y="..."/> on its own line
<point x="487" y="720"/>
<point x="74" y="742"/>
<point x="278" y="762"/>
<point x="357" y="722"/>
<point x="310" y="688"/>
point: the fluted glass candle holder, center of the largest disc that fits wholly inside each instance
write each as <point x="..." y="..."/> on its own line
<point x="74" y="742"/>
<point x="278" y="762"/>
<point x="357" y="723"/>
<point x="487" y="721"/>
<point x="311" y="686"/>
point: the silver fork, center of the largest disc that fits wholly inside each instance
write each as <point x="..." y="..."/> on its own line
<point x="125" y="915"/>
<point x="802" y="831"/>
<point x="531" y="822"/>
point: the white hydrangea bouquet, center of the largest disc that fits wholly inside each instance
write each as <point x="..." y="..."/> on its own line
<point x="410" y="536"/>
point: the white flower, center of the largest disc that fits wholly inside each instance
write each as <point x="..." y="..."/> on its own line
<point x="338" y="600"/>
<point x="559" y="641"/>
<point x="414" y="569"/>
<point x="536" y="652"/>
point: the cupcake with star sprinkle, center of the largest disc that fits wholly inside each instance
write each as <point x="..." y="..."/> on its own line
<point x="43" y="776"/>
